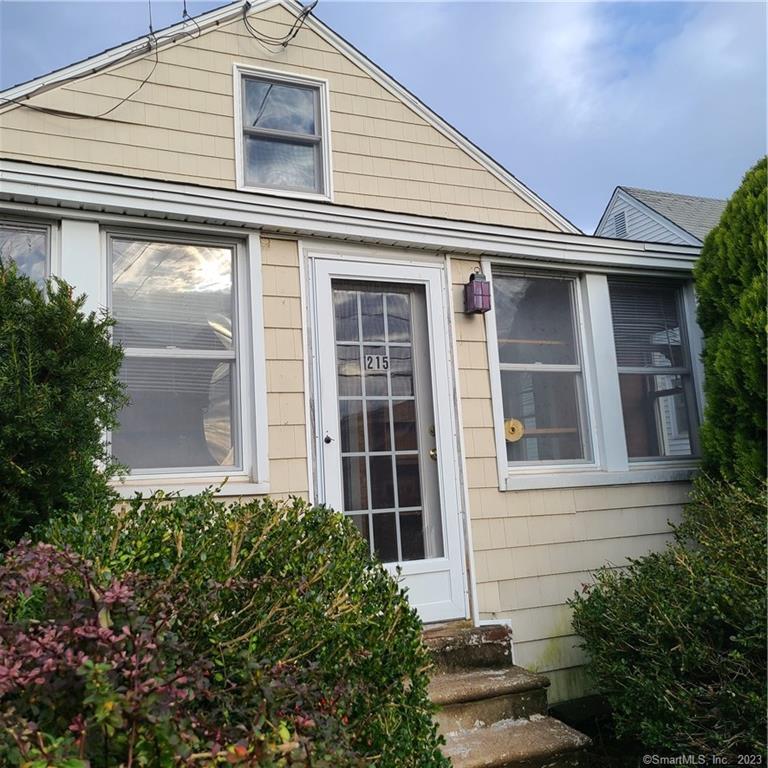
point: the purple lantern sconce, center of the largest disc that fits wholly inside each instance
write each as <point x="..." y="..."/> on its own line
<point x="477" y="294"/>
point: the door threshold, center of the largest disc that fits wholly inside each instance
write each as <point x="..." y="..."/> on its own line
<point x="445" y="628"/>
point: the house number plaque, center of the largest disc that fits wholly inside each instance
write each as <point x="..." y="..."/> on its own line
<point x="377" y="362"/>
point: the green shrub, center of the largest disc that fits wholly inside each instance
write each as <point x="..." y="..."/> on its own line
<point x="286" y="583"/>
<point x="59" y="391"/>
<point x="95" y="673"/>
<point x="677" y="640"/>
<point x="731" y="287"/>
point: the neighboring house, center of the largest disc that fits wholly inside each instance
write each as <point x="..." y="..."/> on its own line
<point x="284" y="234"/>
<point x="659" y="217"/>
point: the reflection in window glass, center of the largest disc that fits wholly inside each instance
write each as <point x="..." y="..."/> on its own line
<point x="281" y="133"/>
<point x="180" y="414"/>
<point x="655" y="415"/>
<point x="171" y="295"/>
<point x="281" y="107"/>
<point x="545" y="416"/>
<point x="279" y="164"/>
<point x="27" y="247"/>
<point x="174" y="307"/>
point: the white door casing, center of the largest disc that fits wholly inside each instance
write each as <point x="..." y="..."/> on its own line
<point x="436" y="584"/>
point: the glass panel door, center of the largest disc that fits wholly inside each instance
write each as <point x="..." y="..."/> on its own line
<point x="386" y="419"/>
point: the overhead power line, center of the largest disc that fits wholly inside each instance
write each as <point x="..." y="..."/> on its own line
<point x="76" y="116"/>
<point x="270" y="40"/>
<point x="152" y="44"/>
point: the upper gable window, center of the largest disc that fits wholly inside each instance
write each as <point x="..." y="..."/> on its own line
<point x="284" y="132"/>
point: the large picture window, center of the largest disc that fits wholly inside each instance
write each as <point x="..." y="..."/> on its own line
<point x="28" y="246"/>
<point x="175" y="308"/>
<point x="654" y="369"/>
<point x="284" y="135"/>
<point x="542" y="378"/>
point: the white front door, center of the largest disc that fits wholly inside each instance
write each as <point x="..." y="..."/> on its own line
<point x="386" y="440"/>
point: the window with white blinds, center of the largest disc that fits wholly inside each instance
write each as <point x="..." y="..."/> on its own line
<point x="654" y="368"/>
<point x="175" y="311"/>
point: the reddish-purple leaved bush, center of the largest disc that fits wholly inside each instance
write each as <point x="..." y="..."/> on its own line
<point x="89" y="673"/>
<point x="84" y="660"/>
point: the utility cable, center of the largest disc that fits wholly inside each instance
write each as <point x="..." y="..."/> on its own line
<point x="74" y="115"/>
<point x="153" y="43"/>
<point x="267" y="40"/>
<point x="185" y="15"/>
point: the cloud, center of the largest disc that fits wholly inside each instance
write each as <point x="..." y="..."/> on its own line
<point x="580" y="97"/>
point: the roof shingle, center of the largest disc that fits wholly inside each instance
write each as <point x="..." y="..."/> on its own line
<point x="696" y="215"/>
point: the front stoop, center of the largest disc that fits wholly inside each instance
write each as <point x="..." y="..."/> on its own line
<point x="492" y="713"/>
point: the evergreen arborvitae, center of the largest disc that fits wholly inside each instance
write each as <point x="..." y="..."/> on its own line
<point x="731" y="286"/>
<point x="59" y="393"/>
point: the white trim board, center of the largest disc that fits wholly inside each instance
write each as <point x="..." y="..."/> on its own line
<point x="85" y="194"/>
<point x="178" y="32"/>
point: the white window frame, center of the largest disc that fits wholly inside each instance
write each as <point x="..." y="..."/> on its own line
<point x="51" y="239"/>
<point x="250" y="418"/>
<point x="610" y="463"/>
<point x="240" y="73"/>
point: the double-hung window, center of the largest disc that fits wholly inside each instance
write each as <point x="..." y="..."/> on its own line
<point x="175" y="306"/>
<point x="657" y="397"/>
<point x="284" y="134"/>
<point x="542" y="376"/>
<point x="28" y="245"/>
<point x="592" y="378"/>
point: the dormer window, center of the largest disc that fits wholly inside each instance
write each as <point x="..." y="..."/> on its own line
<point x="283" y="129"/>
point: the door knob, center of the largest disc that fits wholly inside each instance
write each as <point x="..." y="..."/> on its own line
<point x="433" y="454"/>
<point x="327" y="439"/>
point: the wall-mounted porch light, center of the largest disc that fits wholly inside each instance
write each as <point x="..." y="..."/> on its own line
<point x="477" y="294"/>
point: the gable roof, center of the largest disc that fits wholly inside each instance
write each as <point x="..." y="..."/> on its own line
<point x="139" y="47"/>
<point x="696" y="215"/>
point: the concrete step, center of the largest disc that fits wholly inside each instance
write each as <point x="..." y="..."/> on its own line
<point x="460" y="646"/>
<point x="483" y="696"/>
<point x="535" y="742"/>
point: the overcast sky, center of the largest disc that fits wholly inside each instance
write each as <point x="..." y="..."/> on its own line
<point x="573" y="98"/>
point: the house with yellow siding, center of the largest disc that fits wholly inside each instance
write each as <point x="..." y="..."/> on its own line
<point x="325" y="290"/>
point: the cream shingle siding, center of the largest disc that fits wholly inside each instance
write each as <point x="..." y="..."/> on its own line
<point x="180" y="127"/>
<point x="533" y="549"/>
<point x="285" y="368"/>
